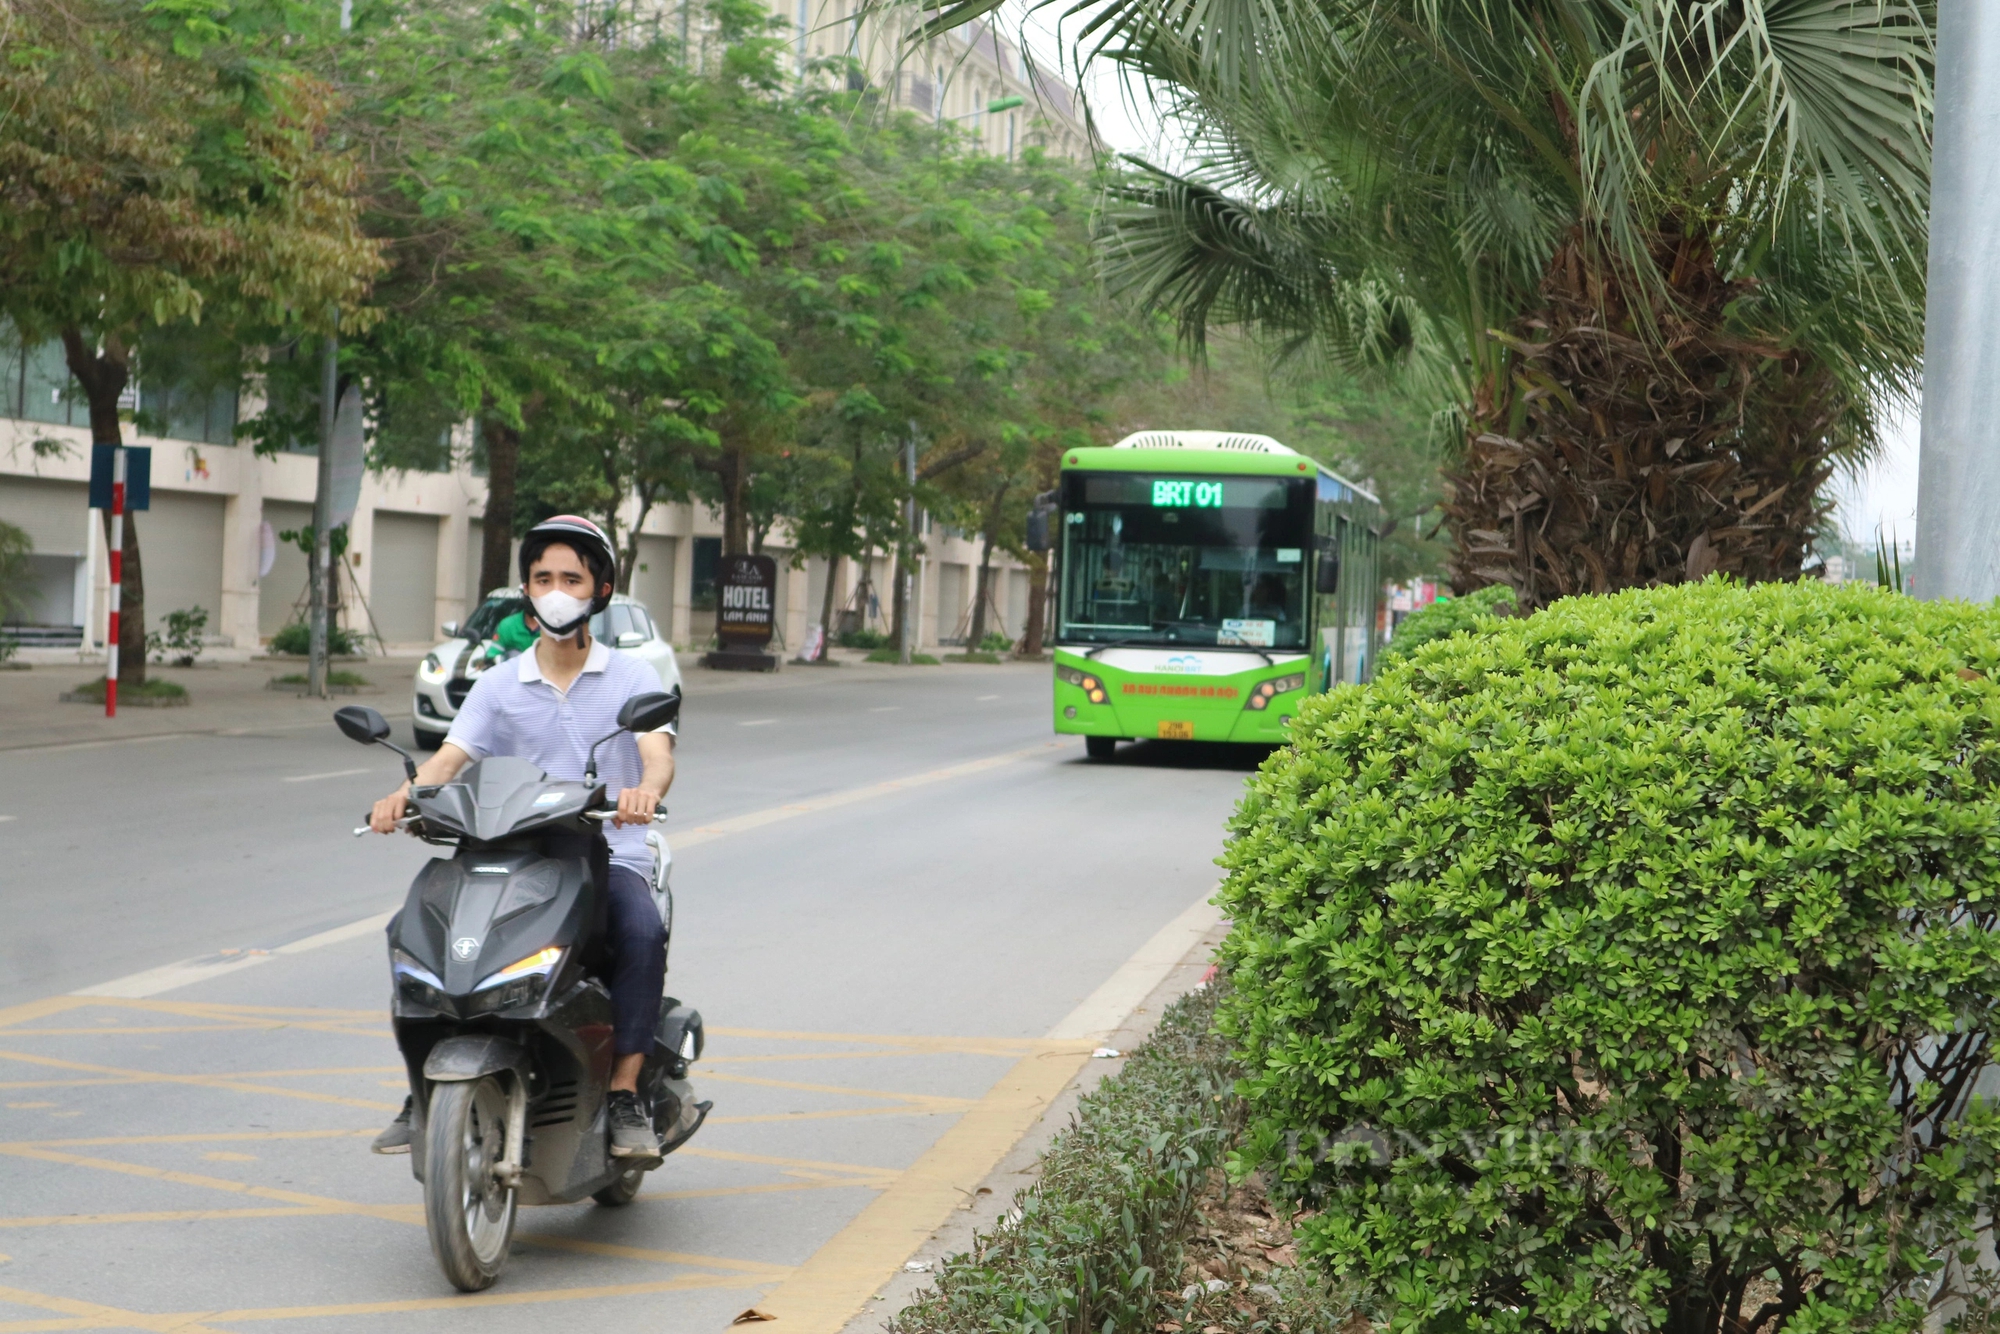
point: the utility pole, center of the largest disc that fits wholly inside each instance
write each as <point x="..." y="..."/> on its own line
<point x="1958" y="472"/>
<point x="909" y="635"/>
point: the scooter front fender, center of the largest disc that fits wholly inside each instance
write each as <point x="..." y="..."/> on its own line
<point x="474" y="1056"/>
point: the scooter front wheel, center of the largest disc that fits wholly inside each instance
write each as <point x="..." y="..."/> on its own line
<point x="469" y="1213"/>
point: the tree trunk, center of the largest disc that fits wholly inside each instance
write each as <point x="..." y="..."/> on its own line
<point x="496" y="545"/>
<point x="1597" y="465"/>
<point x="735" y="523"/>
<point x="1038" y="601"/>
<point x="826" y="606"/>
<point x="103" y="373"/>
<point x="899" y="602"/>
<point x="631" y="560"/>
<point x="978" y="630"/>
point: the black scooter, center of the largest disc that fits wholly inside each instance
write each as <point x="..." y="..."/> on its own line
<point x="498" y="1006"/>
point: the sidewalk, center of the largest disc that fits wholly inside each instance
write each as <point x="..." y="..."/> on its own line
<point x="234" y="697"/>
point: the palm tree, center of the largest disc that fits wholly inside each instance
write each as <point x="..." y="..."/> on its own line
<point x="1664" y="257"/>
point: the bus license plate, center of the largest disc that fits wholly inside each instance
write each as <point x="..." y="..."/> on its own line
<point x="1170" y="731"/>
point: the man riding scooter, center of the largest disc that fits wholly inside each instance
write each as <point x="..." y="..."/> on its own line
<point x="547" y="706"/>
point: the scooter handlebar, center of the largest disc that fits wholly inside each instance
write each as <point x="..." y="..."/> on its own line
<point x="602" y="817"/>
<point x="401" y="823"/>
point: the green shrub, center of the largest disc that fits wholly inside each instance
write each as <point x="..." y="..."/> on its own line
<point x="890" y="654"/>
<point x="995" y="642"/>
<point x="1445" y="618"/>
<point x="1101" y="1228"/>
<point x="1585" y="968"/>
<point x="296" y="638"/>
<point x="153" y="688"/>
<point x="182" y="639"/>
<point x="864" y="639"/>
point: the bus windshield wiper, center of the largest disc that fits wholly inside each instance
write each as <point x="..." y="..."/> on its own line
<point x="1096" y="649"/>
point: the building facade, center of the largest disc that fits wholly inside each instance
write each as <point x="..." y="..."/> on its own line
<point x="214" y="539"/>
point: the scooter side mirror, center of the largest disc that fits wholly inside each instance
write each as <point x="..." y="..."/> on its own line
<point x="649" y="713"/>
<point x="641" y="713"/>
<point x="363" y="724"/>
<point x="360" y="723"/>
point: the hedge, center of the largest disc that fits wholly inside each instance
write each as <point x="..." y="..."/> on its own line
<point x="1445" y="618"/>
<point x="1629" y="966"/>
<point x="1101" y="1227"/>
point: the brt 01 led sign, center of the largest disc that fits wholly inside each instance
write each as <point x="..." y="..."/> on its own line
<point x="1170" y="494"/>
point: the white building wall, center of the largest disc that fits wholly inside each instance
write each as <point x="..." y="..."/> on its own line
<point x="201" y="545"/>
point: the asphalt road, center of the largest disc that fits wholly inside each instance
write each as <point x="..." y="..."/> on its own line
<point x="892" y="883"/>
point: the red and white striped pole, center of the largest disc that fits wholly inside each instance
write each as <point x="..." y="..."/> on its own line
<point x="117" y="579"/>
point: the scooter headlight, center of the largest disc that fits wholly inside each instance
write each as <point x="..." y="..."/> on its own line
<point x="416" y="983"/>
<point x="432" y="671"/>
<point x="519" y="983"/>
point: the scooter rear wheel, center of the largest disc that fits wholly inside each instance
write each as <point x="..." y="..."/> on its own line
<point x="470" y="1215"/>
<point x="622" y="1191"/>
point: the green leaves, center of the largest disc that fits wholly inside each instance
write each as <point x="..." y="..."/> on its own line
<point x="1654" y="938"/>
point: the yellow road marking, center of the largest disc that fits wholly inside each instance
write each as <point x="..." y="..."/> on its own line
<point x="908" y="1041"/>
<point x="41" y="1009"/>
<point x="935" y="1102"/>
<point x="394" y="1213"/>
<point x="91" y="1315"/>
<point x="198" y="1081"/>
<point x="758" y="1267"/>
<point x="192" y="1137"/>
<point x="162" y="1216"/>
<point x="739" y="824"/>
<point x="217" y="1009"/>
<point x="492" y="1297"/>
<point x="224" y="1156"/>
<point x="138" y="1077"/>
<point x="766" y="1160"/>
<point x="836" y="1282"/>
<point x="836" y="1114"/>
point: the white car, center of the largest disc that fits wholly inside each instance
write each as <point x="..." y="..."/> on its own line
<point x="447" y="672"/>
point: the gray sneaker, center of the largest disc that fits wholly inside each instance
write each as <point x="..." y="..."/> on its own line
<point x="396" y="1139"/>
<point x="631" y="1129"/>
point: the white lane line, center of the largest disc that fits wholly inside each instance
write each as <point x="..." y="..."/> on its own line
<point x="1105" y="1009"/>
<point x="984" y="698"/>
<point x="812" y="805"/>
<point x="886" y="708"/>
<point x="337" y="773"/>
<point x="757" y="722"/>
<point x="5" y="818"/>
<point x="168" y="977"/>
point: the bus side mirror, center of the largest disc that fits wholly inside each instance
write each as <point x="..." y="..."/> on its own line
<point x="1326" y="578"/>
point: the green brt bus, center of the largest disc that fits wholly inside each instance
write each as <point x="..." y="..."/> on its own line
<point x="1206" y="582"/>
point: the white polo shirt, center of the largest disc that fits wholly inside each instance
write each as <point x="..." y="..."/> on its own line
<point x="520" y="713"/>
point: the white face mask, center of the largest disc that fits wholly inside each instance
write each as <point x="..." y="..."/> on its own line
<point x="560" y="614"/>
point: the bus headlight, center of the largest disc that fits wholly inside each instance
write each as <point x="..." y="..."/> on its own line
<point x="1266" y="691"/>
<point x="1092" y="688"/>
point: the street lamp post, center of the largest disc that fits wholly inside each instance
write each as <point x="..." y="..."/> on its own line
<point x="1958" y="471"/>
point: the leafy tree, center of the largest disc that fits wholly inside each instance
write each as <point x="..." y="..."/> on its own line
<point x="160" y="166"/>
<point x="1666" y="259"/>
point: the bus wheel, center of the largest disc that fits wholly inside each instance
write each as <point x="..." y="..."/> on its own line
<point x="1100" y="747"/>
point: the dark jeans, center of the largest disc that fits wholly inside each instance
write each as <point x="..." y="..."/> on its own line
<point x="638" y="948"/>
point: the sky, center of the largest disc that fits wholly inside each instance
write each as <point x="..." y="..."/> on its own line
<point x="1884" y="495"/>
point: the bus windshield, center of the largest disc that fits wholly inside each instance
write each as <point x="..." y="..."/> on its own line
<point x="1163" y="561"/>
